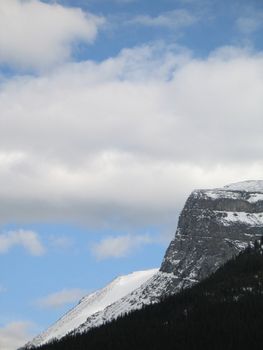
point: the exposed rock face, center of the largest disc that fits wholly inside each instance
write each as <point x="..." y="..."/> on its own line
<point x="213" y="226"/>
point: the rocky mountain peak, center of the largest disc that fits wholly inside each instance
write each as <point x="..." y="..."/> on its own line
<point x="214" y="225"/>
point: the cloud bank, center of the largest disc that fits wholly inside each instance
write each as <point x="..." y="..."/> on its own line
<point x="127" y="139"/>
<point x="37" y="35"/>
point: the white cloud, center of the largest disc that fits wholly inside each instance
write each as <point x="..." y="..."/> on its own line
<point x="29" y="240"/>
<point x="125" y="141"/>
<point x="15" y="335"/>
<point x="175" y="19"/>
<point x="119" y="246"/>
<point x="34" y="34"/>
<point x="61" y="298"/>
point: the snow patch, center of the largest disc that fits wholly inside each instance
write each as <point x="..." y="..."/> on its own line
<point x="239" y="245"/>
<point x="255" y="197"/>
<point x="247" y="186"/>
<point x="249" y="219"/>
<point x="254" y="189"/>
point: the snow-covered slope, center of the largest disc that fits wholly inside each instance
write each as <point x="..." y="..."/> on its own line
<point x="93" y="303"/>
<point x="160" y="284"/>
<point x="247" y="186"/>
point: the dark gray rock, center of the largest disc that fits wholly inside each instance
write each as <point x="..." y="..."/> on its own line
<point x="213" y="226"/>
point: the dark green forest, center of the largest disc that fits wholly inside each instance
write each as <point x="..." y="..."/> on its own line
<point x="223" y="312"/>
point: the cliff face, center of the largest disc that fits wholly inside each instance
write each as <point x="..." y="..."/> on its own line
<point x="214" y="225"/>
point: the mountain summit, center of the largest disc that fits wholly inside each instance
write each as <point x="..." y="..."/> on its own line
<point x="214" y="225"/>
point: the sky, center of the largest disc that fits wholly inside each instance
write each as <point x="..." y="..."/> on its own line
<point x="111" y="113"/>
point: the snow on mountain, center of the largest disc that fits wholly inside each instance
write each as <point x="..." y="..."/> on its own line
<point x="250" y="219"/>
<point x="247" y="186"/>
<point x="251" y="191"/>
<point x="149" y="292"/>
<point x="93" y="303"/>
<point x="213" y="226"/>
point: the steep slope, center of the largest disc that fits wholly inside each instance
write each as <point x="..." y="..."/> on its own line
<point x="93" y="303"/>
<point x="214" y="225"/>
<point x="224" y="311"/>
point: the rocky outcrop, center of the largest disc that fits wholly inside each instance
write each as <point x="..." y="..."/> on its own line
<point x="213" y="226"/>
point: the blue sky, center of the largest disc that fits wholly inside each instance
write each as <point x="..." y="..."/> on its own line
<point x="112" y="111"/>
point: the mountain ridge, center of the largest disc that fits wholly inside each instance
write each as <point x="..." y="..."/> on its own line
<point x="223" y="311"/>
<point x="214" y="225"/>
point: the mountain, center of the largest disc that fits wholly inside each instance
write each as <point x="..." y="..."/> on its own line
<point x="91" y="304"/>
<point x="214" y="226"/>
<point x="224" y="311"/>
